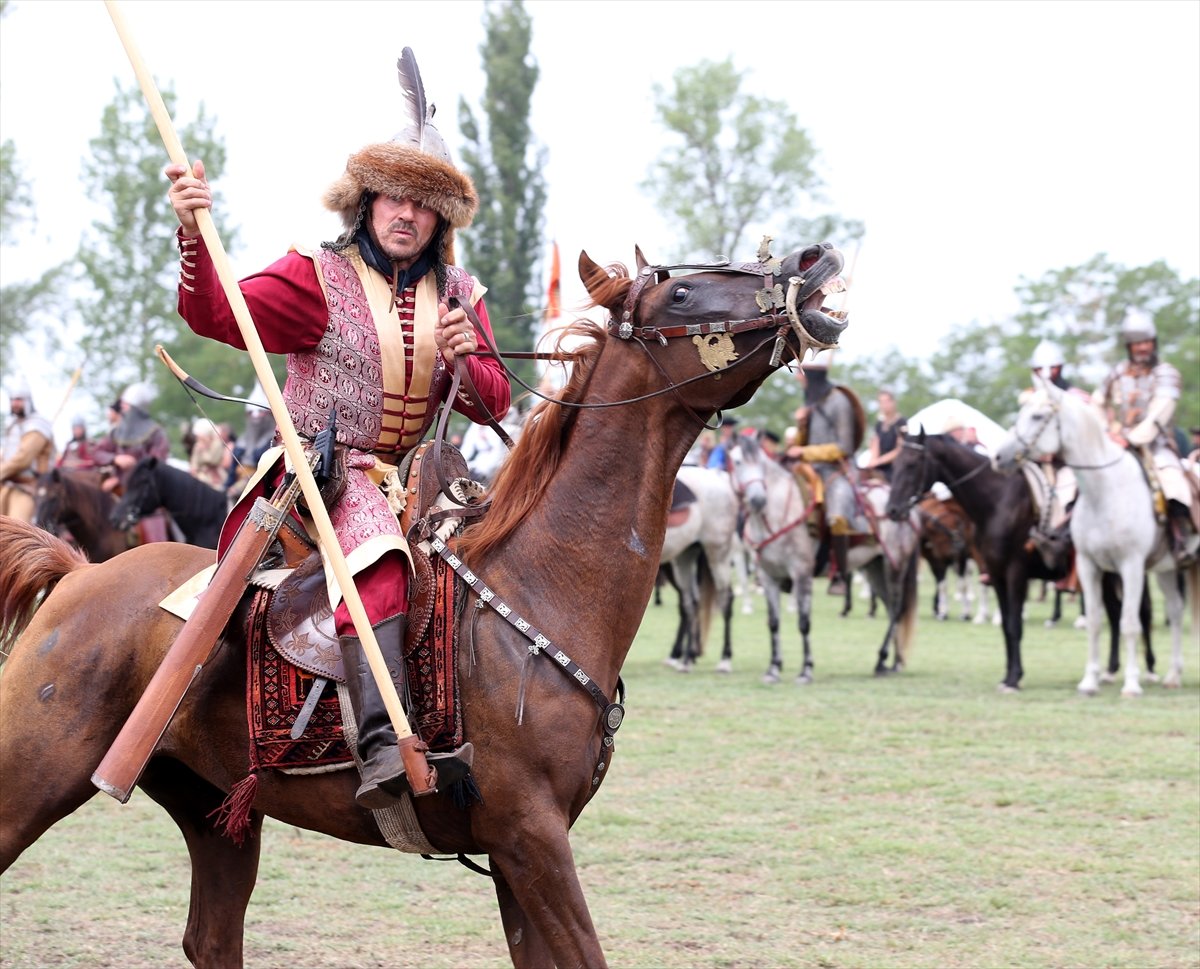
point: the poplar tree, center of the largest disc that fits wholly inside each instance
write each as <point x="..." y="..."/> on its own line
<point x="504" y="246"/>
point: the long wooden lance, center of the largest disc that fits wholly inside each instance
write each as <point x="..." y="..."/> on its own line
<point x="421" y="777"/>
<point x="62" y="405"/>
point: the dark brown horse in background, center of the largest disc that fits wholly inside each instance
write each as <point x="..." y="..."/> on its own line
<point x="72" y="503"/>
<point x="611" y="444"/>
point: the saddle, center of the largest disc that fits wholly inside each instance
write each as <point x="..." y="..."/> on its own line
<point x="299" y="624"/>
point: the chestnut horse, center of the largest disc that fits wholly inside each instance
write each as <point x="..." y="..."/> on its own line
<point x="572" y="541"/>
<point x="73" y="502"/>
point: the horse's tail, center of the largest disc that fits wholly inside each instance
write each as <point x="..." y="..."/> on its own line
<point x="32" y="561"/>
<point x="906" y="625"/>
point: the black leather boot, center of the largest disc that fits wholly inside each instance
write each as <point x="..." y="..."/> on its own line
<point x="383" y="775"/>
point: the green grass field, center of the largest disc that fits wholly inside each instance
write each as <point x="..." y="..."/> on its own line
<point x="918" y="820"/>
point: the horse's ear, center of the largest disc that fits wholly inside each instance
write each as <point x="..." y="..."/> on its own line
<point x="590" y="274"/>
<point x="920" y="433"/>
<point x="641" y="260"/>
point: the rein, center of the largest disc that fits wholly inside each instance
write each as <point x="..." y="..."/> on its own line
<point x="757" y="547"/>
<point x="961" y="480"/>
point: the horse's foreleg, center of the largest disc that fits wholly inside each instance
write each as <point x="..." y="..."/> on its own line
<point x="1010" y="592"/>
<point x="539" y="870"/>
<point x="1146" y="615"/>
<point x="771" y="593"/>
<point x="726" y="664"/>
<point x="1133" y="577"/>
<point x="223" y="873"/>
<point x="526" y="947"/>
<point x="1110" y="592"/>
<point x="802" y="586"/>
<point x="1174" y="600"/>
<point x="1090" y="588"/>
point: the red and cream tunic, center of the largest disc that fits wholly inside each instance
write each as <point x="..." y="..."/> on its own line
<point x="349" y="345"/>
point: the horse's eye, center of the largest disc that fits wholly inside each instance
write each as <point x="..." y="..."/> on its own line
<point x="679" y="294"/>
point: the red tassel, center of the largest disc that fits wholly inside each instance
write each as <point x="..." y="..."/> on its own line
<point x="233" y="816"/>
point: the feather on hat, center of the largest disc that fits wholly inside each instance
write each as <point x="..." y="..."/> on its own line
<point x="414" y="164"/>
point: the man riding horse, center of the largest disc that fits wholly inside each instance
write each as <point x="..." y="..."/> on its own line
<point x="28" y="452"/>
<point x="1140" y="395"/>
<point x="830" y="426"/>
<point x="372" y="323"/>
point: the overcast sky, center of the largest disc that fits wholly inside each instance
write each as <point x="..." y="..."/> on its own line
<point x="979" y="142"/>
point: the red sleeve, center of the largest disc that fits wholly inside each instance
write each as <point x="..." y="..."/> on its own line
<point x="489" y="378"/>
<point x="285" y="301"/>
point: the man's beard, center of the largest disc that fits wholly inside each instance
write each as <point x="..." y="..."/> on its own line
<point x="17" y="410"/>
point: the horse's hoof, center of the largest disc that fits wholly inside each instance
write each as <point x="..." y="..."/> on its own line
<point x="1080" y="623"/>
<point x="684" y="668"/>
<point x="1131" y="691"/>
<point x="1050" y="623"/>
<point x="1107" y="678"/>
<point x="1153" y="678"/>
<point x="1087" y="690"/>
<point x="770" y="677"/>
<point x="1006" y="688"/>
<point x="941" y="618"/>
<point x="804" y="679"/>
<point x="1173" y="681"/>
<point x="725" y="666"/>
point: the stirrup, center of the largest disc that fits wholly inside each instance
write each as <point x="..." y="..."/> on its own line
<point x="379" y="793"/>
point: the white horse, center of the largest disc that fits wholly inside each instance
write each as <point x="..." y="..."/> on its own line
<point x="776" y="533"/>
<point x="1113" y="525"/>
<point x="699" y="551"/>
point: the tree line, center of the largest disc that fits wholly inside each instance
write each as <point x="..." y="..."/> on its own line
<point x="729" y="162"/>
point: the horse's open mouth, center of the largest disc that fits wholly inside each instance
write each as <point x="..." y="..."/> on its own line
<point x="815" y="323"/>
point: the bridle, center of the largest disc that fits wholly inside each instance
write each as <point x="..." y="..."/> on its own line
<point x="781" y="311"/>
<point x="741" y="487"/>
<point x="926" y="484"/>
<point x="1026" y="449"/>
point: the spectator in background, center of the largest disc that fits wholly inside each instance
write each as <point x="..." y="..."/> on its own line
<point x="888" y="436"/>
<point x="719" y="456"/>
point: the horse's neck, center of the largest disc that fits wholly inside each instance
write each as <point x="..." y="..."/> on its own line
<point x="589" y="549"/>
<point x="975" y="490"/>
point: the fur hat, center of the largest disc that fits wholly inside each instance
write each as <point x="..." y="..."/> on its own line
<point x="414" y="164"/>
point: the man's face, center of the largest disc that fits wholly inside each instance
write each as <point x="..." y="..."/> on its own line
<point x="402" y="228"/>
<point x="17" y="407"/>
<point x="1141" y="352"/>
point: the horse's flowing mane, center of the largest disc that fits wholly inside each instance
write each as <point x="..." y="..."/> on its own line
<point x="534" y="460"/>
<point x="33" y="562"/>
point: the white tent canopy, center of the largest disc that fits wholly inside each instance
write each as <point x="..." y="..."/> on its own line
<point x="944" y="415"/>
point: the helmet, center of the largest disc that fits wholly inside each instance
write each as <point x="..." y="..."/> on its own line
<point x="139" y="394"/>
<point x="1046" y="354"/>
<point x="1137" y="326"/>
<point x="414" y="164"/>
<point x="78" y="421"/>
<point x="18" y="386"/>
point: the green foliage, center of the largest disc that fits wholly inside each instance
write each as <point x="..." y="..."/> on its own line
<point x="21" y="301"/>
<point x="733" y="164"/>
<point x="503" y="248"/>
<point x="130" y="263"/>
<point x="1079" y="307"/>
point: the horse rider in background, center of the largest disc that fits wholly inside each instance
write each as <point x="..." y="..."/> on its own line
<point x="28" y="452"/>
<point x="829" y="430"/>
<point x="135" y="436"/>
<point x="1052" y="533"/>
<point x="1139" y="396"/>
<point x="380" y="314"/>
<point x="79" y="454"/>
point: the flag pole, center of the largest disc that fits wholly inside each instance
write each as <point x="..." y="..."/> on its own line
<point x="421" y="778"/>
